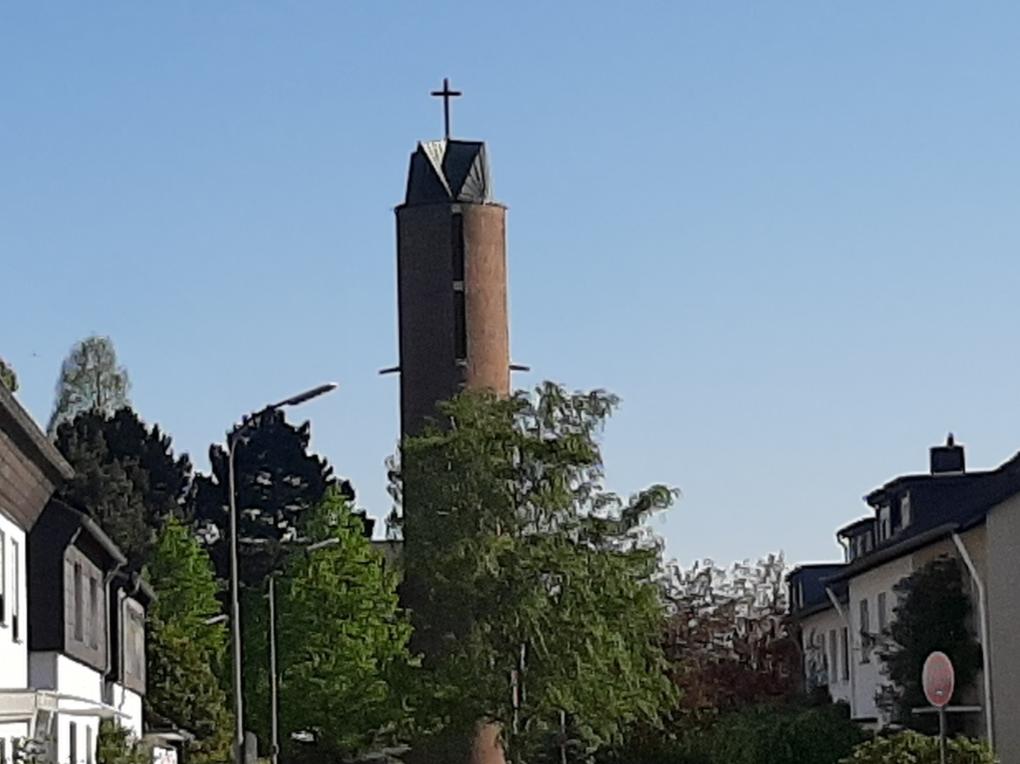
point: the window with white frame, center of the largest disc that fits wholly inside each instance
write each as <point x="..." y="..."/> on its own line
<point x="16" y="591"/>
<point x="79" y="607"/>
<point x="3" y="577"/>
<point x="865" y="632"/>
<point x="94" y="622"/>
<point x="884" y="529"/>
<point x="905" y="510"/>
<point x="845" y="653"/>
<point x="834" y="657"/>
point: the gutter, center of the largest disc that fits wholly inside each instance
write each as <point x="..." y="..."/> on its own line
<point x="107" y="580"/>
<point x="986" y="647"/>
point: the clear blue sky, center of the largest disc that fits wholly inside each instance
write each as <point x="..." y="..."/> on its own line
<point x="785" y="233"/>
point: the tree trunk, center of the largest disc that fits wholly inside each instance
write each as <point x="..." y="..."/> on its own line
<point x="486" y="748"/>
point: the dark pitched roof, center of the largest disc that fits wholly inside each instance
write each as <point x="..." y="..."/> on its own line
<point x="17" y="422"/>
<point x="59" y="514"/>
<point x="897" y="547"/>
<point x="940" y="504"/>
<point x="812" y="579"/>
<point x="449" y="171"/>
<point x="857" y="526"/>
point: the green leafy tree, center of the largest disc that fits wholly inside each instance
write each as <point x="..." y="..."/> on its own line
<point x="116" y="745"/>
<point x="342" y="643"/>
<point x="277" y="482"/>
<point x="933" y="614"/>
<point x="7" y="377"/>
<point x="90" y="380"/>
<point x="919" y="749"/>
<point x="126" y="476"/>
<point x="726" y="638"/>
<point x="534" y="591"/>
<point x="184" y="648"/>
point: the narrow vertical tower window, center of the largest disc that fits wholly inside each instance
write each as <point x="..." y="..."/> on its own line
<point x="460" y="348"/>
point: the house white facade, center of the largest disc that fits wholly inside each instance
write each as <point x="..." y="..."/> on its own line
<point x="72" y="731"/>
<point x="843" y="610"/>
<point x="72" y="628"/>
<point x="30" y="470"/>
<point x="13" y="639"/>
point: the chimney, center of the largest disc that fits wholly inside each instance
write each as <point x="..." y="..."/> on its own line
<point x="948" y="458"/>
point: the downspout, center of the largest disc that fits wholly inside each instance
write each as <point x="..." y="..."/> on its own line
<point x="849" y="647"/>
<point x="986" y="646"/>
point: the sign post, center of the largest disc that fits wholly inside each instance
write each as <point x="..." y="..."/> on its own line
<point x="939" y="681"/>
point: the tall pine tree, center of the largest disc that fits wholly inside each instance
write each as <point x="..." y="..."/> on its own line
<point x="277" y="482"/>
<point x="126" y="476"/>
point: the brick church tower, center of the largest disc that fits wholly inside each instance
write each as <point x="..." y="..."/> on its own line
<point x="453" y="323"/>
<point x="451" y="279"/>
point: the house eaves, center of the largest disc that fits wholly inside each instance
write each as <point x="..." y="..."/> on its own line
<point x="894" y="551"/>
<point x="26" y="433"/>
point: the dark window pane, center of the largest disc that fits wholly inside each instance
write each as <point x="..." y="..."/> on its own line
<point x="459" y="326"/>
<point x="457" y="247"/>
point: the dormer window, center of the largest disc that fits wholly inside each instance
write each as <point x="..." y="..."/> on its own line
<point x="884" y="523"/>
<point x="905" y="510"/>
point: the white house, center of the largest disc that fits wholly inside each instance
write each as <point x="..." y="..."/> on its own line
<point x="841" y="610"/>
<point x="30" y="470"/>
<point x="72" y="566"/>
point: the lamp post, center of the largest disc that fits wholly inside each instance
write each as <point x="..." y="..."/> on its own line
<point x="235" y="605"/>
<point x="274" y="688"/>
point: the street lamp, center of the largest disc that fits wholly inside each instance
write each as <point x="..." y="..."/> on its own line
<point x="235" y="604"/>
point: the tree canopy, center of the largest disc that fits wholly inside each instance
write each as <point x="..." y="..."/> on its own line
<point x="726" y="638"/>
<point x="7" y="377"/>
<point x="342" y="638"/>
<point x="90" y="380"/>
<point x="278" y="480"/>
<point x="185" y="649"/>
<point x="534" y="590"/>
<point x="933" y="614"/>
<point x="125" y="475"/>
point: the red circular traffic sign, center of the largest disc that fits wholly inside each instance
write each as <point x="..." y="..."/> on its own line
<point x="938" y="679"/>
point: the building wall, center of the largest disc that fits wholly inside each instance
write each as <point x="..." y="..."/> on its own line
<point x="53" y="671"/>
<point x="9" y="733"/>
<point x="429" y="369"/>
<point x="868" y="675"/>
<point x="85" y="641"/>
<point x="13" y="652"/>
<point x="428" y="372"/>
<point x="975" y="541"/>
<point x="485" y="293"/>
<point x="84" y="730"/>
<point x="128" y="702"/>
<point x="1003" y="527"/>
<point x="817" y="632"/>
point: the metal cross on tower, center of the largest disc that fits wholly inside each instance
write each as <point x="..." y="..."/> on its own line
<point x="446" y="94"/>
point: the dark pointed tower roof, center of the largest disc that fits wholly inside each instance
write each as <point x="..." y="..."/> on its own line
<point x="446" y="171"/>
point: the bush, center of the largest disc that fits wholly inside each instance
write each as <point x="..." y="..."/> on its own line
<point x="919" y="749"/>
<point x="116" y="745"/>
<point x="759" y="735"/>
<point x="792" y="736"/>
